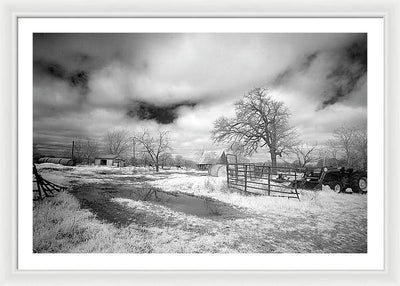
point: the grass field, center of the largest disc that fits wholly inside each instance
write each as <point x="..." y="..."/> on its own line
<point x="185" y="211"/>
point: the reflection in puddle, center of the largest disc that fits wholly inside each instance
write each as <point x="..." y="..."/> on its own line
<point x="101" y="200"/>
<point x="202" y="207"/>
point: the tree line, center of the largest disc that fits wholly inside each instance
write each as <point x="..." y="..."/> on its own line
<point x="260" y="122"/>
<point x="143" y="148"/>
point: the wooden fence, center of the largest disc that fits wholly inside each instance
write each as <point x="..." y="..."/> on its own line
<point x="45" y="188"/>
<point x="263" y="180"/>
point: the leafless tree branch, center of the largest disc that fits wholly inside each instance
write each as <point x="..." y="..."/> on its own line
<point x="259" y="122"/>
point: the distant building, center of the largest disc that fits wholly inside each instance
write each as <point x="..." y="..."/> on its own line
<point x="109" y="160"/>
<point x="209" y="158"/>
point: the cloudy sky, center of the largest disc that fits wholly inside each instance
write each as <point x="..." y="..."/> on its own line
<point x="87" y="84"/>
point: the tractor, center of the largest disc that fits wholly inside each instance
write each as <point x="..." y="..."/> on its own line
<point x="338" y="179"/>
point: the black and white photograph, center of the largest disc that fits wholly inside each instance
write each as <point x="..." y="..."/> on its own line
<point x="200" y="143"/>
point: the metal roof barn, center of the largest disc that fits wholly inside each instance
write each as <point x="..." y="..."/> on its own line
<point x="109" y="160"/>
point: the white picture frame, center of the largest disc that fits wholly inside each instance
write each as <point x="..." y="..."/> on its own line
<point x="372" y="260"/>
<point x="389" y="276"/>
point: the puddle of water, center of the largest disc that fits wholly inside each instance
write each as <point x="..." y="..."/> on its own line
<point x="98" y="199"/>
<point x="188" y="204"/>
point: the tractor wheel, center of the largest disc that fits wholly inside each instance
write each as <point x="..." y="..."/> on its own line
<point x="359" y="184"/>
<point x="337" y="186"/>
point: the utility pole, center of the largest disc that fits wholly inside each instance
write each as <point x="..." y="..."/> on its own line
<point x="72" y="152"/>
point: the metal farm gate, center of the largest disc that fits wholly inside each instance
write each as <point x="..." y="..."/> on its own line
<point x="261" y="179"/>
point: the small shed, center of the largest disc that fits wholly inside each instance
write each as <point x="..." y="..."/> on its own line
<point x="209" y="158"/>
<point x="109" y="160"/>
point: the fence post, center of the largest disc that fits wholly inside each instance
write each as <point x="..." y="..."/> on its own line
<point x="38" y="183"/>
<point x="245" y="178"/>
<point x="227" y="174"/>
<point x="295" y="184"/>
<point x="250" y="172"/>
<point x="269" y="180"/>
<point x="236" y="173"/>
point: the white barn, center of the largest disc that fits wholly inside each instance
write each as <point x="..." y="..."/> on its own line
<point x="209" y="158"/>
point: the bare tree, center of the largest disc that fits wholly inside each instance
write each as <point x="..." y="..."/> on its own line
<point x="117" y="141"/>
<point x="238" y="149"/>
<point x="353" y="141"/>
<point x="199" y="152"/>
<point x="304" y="154"/>
<point x="165" y="159"/>
<point x="332" y="149"/>
<point x="78" y="151"/>
<point x="155" y="146"/>
<point x="259" y="122"/>
<point x="90" y="150"/>
<point x="329" y="153"/>
<point x="144" y="158"/>
<point x="361" y="144"/>
<point x="85" y="150"/>
<point x="345" y="138"/>
<point x="179" y="160"/>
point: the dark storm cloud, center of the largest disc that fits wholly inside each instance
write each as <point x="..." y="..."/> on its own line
<point x="294" y="70"/>
<point x="307" y="61"/>
<point x="72" y="71"/>
<point x="78" y="79"/>
<point x="165" y="114"/>
<point x="52" y="69"/>
<point x="349" y="70"/>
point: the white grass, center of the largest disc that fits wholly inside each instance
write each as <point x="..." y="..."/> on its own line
<point x="321" y="221"/>
<point x="59" y="225"/>
<point x="216" y="187"/>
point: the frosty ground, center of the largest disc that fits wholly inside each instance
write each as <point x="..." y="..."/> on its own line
<point x="136" y="210"/>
